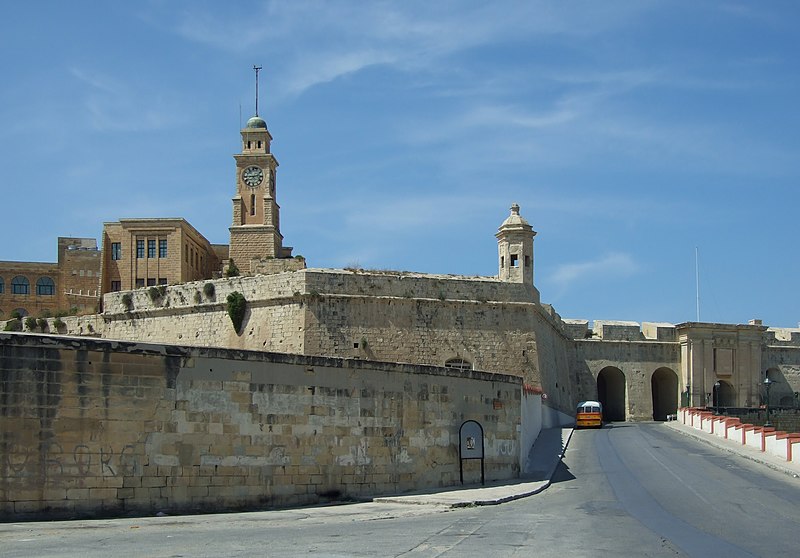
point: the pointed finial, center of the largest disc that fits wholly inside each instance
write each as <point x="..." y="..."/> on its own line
<point x="515" y="209"/>
<point x="256" y="68"/>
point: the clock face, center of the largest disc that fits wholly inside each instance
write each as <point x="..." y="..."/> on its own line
<point x="252" y="176"/>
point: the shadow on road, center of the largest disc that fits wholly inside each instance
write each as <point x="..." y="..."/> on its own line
<point x="562" y="474"/>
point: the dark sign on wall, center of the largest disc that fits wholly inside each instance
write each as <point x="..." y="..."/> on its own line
<point x="470" y="445"/>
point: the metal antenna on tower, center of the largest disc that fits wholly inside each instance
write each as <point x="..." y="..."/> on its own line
<point x="256" y="68"/>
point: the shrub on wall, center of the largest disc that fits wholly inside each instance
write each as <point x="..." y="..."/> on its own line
<point x="232" y="270"/>
<point x="236" y="308"/>
<point x="127" y="301"/>
<point x="198" y="298"/>
<point x="208" y="290"/>
<point x="156" y="293"/>
<point x="42" y="323"/>
<point x="58" y="323"/>
<point x="30" y="323"/>
<point x="13" y="324"/>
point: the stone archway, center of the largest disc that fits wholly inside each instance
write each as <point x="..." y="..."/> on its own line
<point x="611" y="393"/>
<point x="725" y="395"/>
<point x="664" y="388"/>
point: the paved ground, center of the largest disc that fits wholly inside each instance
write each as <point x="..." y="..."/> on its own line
<point x="737" y="448"/>
<point x="543" y="459"/>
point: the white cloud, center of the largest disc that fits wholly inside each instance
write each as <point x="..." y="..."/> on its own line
<point x="315" y="42"/>
<point x="614" y="265"/>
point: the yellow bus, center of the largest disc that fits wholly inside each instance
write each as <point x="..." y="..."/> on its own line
<point x="589" y="413"/>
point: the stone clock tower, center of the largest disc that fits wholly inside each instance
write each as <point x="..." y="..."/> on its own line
<point x="255" y="234"/>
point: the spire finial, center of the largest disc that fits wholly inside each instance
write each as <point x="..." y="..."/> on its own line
<point x="256" y="68"/>
<point x="515" y="208"/>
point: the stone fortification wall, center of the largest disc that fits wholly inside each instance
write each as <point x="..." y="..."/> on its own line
<point x="636" y="360"/>
<point x="388" y="316"/>
<point x="187" y="315"/>
<point x="417" y="285"/>
<point x="95" y="427"/>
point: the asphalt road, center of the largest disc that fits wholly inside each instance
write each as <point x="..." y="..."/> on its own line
<point x="625" y="490"/>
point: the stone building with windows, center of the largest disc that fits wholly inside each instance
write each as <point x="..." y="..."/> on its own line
<point x="72" y="284"/>
<point x="162" y="251"/>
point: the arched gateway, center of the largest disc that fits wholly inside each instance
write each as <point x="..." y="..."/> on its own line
<point x="611" y="393"/>
<point x="664" y="386"/>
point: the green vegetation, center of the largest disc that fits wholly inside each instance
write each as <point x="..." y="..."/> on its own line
<point x="30" y="323"/>
<point x="237" y="305"/>
<point x="14" y="324"/>
<point x="232" y="270"/>
<point x="58" y="323"/>
<point x="127" y="302"/>
<point x="209" y="290"/>
<point x="42" y="323"/>
<point x="157" y="292"/>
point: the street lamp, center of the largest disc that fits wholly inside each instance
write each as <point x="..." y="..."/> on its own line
<point x="767" y="384"/>
<point x="716" y="397"/>
<point x="688" y="396"/>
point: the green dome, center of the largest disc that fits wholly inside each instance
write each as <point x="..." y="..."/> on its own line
<point x="257" y="122"/>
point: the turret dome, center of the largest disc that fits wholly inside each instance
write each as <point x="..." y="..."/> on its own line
<point x="257" y="122"/>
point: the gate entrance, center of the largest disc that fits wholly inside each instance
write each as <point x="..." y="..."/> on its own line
<point x="664" y="386"/>
<point x="611" y="393"/>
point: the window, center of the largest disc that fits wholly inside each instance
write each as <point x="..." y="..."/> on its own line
<point x="252" y="204"/>
<point x="45" y="286"/>
<point x="139" y="282"/>
<point x="248" y="144"/>
<point x="527" y="261"/>
<point x="186" y="252"/>
<point x="259" y="144"/>
<point x="151" y="248"/>
<point x="140" y="248"/>
<point x="162" y="280"/>
<point x="116" y="286"/>
<point x="20" y="285"/>
<point x="162" y="247"/>
<point x="458" y="363"/>
<point x="514" y="260"/>
<point x="2" y="286"/>
<point x="116" y="251"/>
<point x="151" y="282"/>
<point x="502" y="261"/>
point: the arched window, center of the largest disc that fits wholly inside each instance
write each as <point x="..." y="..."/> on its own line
<point x="45" y="286"/>
<point x="20" y="285"/>
<point x="458" y="363"/>
<point x="21" y="312"/>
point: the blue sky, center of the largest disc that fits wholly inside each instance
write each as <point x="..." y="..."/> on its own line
<point x="629" y="132"/>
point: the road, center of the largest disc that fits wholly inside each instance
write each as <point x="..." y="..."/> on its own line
<point x="625" y="490"/>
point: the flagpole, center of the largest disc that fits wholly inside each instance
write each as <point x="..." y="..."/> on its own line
<point x="697" y="279"/>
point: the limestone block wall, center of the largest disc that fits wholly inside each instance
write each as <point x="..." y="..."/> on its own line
<point x="187" y="315"/>
<point x="95" y="427"/>
<point x="417" y="285"/>
<point x="636" y="360"/>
